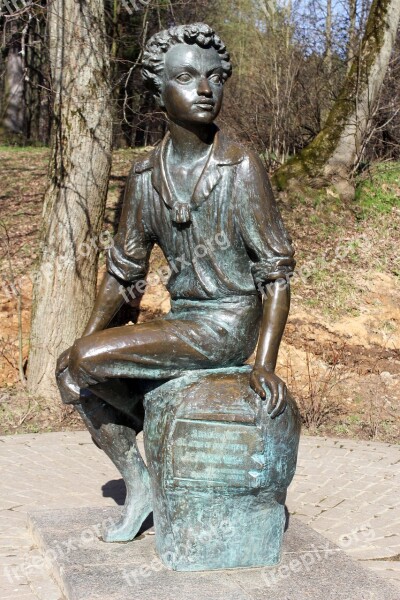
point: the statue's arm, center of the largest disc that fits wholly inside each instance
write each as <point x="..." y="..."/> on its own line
<point x="127" y="260"/>
<point x="127" y="264"/>
<point x="271" y="253"/>
<point x="275" y="312"/>
<point x="108" y="301"/>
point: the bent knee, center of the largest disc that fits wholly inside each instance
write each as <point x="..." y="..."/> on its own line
<point x="75" y="356"/>
<point x="68" y="388"/>
<point x="81" y="360"/>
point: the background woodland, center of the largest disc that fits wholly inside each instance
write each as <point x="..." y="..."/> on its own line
<point x="290" y="59"/>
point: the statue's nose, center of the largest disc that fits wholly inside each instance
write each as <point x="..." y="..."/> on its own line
<point x="204" y="88"/>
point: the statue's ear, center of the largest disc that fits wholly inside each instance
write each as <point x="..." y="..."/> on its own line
<point x="153" y="83"/>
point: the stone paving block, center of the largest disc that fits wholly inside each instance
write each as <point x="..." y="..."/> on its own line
<point x="336" y="513"/>
<point x="20" y="595"/>
<point x="43" y="588"/>
<point x="323" y="523"/>
<point x="384" y="525"/>
<point x="371" y="552"/>
<point x="388" y="501"/>
<point x="305" y="510"/>
<point x="389" y="569"/>
<point x="329" y="499"/>
<point x="301" y="488"/>
<point x="311" y="568"/>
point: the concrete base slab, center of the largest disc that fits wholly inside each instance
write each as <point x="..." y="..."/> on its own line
<point x="86" y="568"/>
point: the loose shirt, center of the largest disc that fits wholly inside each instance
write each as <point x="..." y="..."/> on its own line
<point x="228" y="241"/>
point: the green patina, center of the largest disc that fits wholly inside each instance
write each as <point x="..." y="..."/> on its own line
<point x="219" y="467"/>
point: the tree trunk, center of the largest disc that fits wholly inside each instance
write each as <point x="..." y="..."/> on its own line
<point x="13" y="121"/>
<point x="328" y="38"/>
<point x="37" y="98"/>
<point x="332" y="154"/>
<point x="74" y="204"/>
<point x="351" y="34"/>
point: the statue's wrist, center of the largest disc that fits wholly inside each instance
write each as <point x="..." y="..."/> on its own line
<point x="265" y="366"/>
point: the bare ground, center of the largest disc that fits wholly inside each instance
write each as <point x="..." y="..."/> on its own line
<point x="340" y="355"/>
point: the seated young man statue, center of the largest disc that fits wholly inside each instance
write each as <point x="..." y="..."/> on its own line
<point x="207" y="202"/>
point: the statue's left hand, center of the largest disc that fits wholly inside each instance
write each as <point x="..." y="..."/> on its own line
<point x="261" y="377"/>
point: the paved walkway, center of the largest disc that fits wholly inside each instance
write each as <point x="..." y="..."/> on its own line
<point x="349" y="491"/>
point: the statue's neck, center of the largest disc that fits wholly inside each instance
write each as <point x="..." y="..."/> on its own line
<point x="190" y="143"/>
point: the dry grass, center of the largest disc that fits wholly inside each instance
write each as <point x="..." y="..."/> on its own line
<point x="317" y="391"/>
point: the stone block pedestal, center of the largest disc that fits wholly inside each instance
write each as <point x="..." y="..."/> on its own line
<point x="85" y="568"/>
<point x="219" y="467"/>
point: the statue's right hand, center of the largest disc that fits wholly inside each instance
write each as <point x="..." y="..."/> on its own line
<point x="62" y="361"/>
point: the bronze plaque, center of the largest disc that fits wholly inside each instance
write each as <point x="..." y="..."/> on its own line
<point x="217" y="453"/>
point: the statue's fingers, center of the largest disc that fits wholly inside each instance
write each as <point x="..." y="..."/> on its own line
<point x="256" y="385"/>
<point x="273" y="386"/>
<point x="281" y="404"/>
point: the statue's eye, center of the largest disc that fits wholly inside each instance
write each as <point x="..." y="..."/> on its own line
<point x="184" y="78"/>
<point x="215" y="78"/>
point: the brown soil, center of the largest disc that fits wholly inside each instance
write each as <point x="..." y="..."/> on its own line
<point x="340" y="355"/>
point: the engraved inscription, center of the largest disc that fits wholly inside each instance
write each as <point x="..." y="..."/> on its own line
<point x="218" y="453"/>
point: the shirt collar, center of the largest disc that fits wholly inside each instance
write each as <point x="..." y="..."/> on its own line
<point x="224" y="153"/>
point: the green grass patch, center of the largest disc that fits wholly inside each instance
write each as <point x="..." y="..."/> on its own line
<point x="21" y="149"/>
<point x="332" y="291"/>
<point x="378" y="190"/>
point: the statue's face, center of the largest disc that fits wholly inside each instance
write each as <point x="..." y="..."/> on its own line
<point x="192" y="84"/>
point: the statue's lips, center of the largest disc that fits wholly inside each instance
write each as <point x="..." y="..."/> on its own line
<point x="205" y="105"/>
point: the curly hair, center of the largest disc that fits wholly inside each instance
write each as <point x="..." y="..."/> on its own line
<point x="196" y="33"/>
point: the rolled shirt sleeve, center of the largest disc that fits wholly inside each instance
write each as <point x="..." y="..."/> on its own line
<point x="260" y="224"/>
<point x="128" y="257"/>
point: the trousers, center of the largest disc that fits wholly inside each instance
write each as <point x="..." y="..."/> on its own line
<point x="122" y="363"/>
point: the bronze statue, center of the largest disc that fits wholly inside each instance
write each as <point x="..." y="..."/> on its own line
<point x="207" y="202"/>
